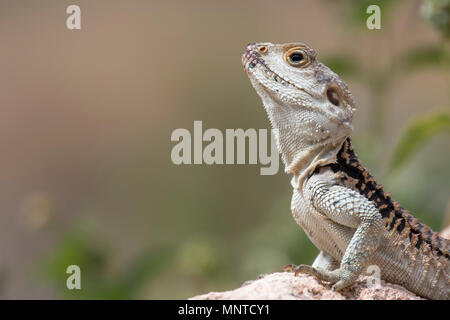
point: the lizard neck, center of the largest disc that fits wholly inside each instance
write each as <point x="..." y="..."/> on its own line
<point x="305" y="138"/>
<point x="307" y="160"/>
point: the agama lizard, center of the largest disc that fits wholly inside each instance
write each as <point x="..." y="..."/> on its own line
<point x="339" y="205"/>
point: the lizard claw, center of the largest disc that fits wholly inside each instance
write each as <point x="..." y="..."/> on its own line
<point x="289" y="267"/>
<point x="340" y="278"/>
<point x="303" y="268"/>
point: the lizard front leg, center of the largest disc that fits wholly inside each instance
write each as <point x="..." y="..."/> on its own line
<point x="346" y="207"/>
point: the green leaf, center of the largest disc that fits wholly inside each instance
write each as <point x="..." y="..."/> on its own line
<point x="416" y="135"/>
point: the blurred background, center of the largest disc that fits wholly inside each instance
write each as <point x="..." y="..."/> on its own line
<point x="87" y="115"/>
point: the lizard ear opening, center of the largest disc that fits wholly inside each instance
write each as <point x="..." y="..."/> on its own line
<point x="333" y="96"/>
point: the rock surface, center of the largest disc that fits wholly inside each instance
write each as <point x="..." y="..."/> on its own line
<point x="287" y="286"/>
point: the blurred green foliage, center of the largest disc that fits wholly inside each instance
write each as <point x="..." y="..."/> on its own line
<point x="355" y="15"/>
<point x="416" y="135"/>
<point x="224" y="253"/>
<point x="437" y="12"/>
<point x="422" y="57"/>
<point x="345" y="66"/>
<point x="81" y="246"/>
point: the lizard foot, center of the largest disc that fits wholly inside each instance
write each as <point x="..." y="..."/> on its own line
<point x="339" y="277"/>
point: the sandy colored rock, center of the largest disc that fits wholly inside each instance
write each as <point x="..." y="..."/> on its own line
<point x="287" y="286"/>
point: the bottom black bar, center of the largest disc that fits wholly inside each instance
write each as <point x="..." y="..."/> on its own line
<point x="224" y="309"/>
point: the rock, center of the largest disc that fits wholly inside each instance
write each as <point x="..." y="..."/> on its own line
<point x="287" y="286"/>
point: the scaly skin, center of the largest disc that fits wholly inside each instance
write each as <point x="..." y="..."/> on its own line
<point x="336" y="201"/>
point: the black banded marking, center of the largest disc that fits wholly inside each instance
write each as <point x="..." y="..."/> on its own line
<point x="348" y="163"/>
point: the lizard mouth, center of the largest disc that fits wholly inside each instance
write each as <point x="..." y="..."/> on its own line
<point x="252" y="59"/>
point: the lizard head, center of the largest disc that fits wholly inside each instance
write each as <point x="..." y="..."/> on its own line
<point x="309" y="106"/>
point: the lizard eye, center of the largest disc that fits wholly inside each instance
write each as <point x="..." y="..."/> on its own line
<point x="296" y="57"/>
<point x="333" y="96"/>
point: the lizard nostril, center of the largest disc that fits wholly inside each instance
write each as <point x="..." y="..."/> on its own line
<point x="262" y="49"/>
